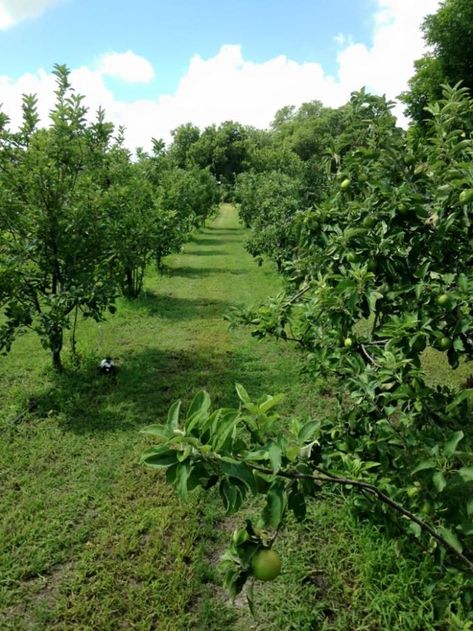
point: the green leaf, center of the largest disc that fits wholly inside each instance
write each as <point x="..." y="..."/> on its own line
<point x="270" y="403"/>
<point x="469" y="508"/>
<point x="173" y="415"/>
<point x="296" y="503"/>
<point x="158" y="457"/>
<point x="415" y="529"/>
<point x="224" y="427"/>
<point x="466" y="474"/>
<point x="274" y="454"/>
<point x="182" y="475"/>
<point x="439" y="481"/>
<point x="423" y="466"/>
<point x="237" y="583"/>
<point x="276" y="501"/>
<point x="240" y="472"/>
<point x="242" y="393"/>
<point x="451" y="538"/>
<point x="307" y="432"/>
<point x="451" y="445"/>
<point x="158" y="431"/>
<point x="200" y="403"/>
<point x="228" y="493"/>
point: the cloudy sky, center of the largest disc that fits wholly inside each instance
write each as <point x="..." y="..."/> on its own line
<point x="154" y="64"/>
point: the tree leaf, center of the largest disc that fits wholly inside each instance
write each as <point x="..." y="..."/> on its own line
<point x="296" y="503"/>
<point x="451" y="445"/>
<point x="182" y="475"/>
<point x="466" y="474"/>
<point x="439" y="481"/>
<point x="274" y="454"/>
<point x="158" y="431"/>
<point x="307" y="432"/>
<point x="451" y="538"/>
<point x="158" y="457"/>
<point x="200" y="403"/>
<point x="423" y="466"/>
<point x="173" y="415"/>
<point x="242" y="393"/>
<point x="241" y="472"/>
<point x="276" y="501"/>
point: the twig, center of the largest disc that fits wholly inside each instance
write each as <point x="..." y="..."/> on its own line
<point x="368" y="356"/>
<point x="299" y="294"/>
<point x="373" y="490"/>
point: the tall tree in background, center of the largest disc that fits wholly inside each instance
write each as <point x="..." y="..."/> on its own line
<point x="449" y="33"/>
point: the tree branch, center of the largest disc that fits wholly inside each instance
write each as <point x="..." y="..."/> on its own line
<point x="382" y="497"/>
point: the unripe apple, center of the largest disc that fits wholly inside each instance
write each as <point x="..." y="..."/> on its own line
<point x="266" y="565"/>
<point x="466" y="196"/>
<point x="444" y="343"/>
<point x="443" y="299"/>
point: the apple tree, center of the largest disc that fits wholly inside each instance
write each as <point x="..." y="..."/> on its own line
<point x="55" y="251"/>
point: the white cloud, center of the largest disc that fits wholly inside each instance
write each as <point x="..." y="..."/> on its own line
<point x="386" y="66"/>
<point x="13" y="11"/>
<point x="127" y="67"/>
<point x="227" y="86"/>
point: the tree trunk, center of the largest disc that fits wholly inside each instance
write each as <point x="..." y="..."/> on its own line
<point x="133" y="282"/>
<point x="55" y="344"/>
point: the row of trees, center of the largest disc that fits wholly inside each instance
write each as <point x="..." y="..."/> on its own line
<point x="80" y="220"/>
<point x="372" y="228"/>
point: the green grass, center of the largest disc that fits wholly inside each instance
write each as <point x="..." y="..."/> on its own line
<point x="90" y="540"/>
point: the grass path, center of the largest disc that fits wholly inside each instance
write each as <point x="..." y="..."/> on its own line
<point x="90" y="540"/>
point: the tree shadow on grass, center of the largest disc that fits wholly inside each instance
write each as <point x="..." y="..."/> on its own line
<point x="174" y="308"/>
<point x="206" y="252"/>
<point x="200" y="272"/>
<point x="225" y="230"/>
<point x="216" y="240"/>
<point x="144" y="387"/>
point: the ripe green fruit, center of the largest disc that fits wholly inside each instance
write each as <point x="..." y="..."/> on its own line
<point x="372" y="265"/>
<point x="445" y="343"/>
<point x="466" y="196"/>
<point x="266" y="565"/>
<point x="369" y="221"/>
<point x="403" y="210"/>
<point x="443" y="299"/>
<point x="345" y="184"/>
<point x="351" y="257"/>
<point x="347" y="342"/>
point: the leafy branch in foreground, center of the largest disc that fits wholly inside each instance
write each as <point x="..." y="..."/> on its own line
<point x="243" y="452"/>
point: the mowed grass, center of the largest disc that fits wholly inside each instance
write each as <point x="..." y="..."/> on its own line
<point x="90" y="540"/>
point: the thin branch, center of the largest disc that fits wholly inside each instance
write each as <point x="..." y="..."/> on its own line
<point x="382" y="497"/>
<point x="376" y="343"/>
<point x="299" y="294"/>
<point x="368" y="356"/>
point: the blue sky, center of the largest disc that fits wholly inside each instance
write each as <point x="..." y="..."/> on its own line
<point x="208" y="60"/>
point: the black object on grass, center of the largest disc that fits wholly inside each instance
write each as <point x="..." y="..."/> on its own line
<point x="107" y="366"/>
